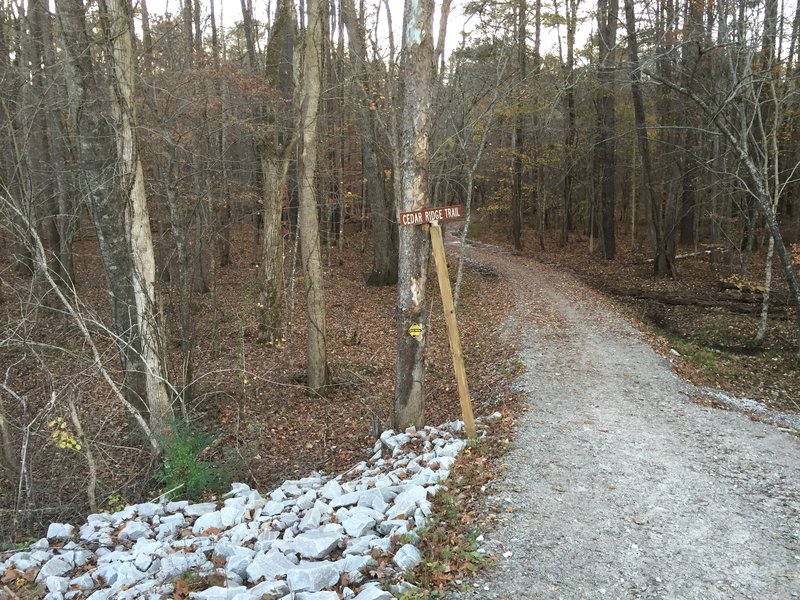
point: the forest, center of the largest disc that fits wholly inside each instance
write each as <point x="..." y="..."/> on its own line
<point x="203" y="277"/>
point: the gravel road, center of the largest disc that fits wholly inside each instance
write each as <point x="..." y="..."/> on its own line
<point x="618" y="485"/>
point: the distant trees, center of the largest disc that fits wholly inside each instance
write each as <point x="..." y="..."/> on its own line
<point x="379" y="194"/>
<point x="305" y="122"/>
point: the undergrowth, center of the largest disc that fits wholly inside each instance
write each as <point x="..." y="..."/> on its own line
<point x="185" y="472"/>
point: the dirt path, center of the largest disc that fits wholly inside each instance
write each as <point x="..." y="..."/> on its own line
<point x="618" y="485"/>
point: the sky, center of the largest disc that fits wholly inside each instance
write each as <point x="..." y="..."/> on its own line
<point x="229" y="11"/>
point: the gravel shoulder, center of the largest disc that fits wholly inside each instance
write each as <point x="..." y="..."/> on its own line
<point x="618" y="485"/>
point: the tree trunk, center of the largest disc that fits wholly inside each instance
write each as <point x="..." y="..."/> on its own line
<point x="111" y="177"/>
<point x="662" y="263"/>
<point x="758" y="185"/>
<point x="689" y="167"/>
<point x="607" y="14"/>
<point x="308" y="220"/>
<point x="418" y="76"/>
<point x="569" y="131"/>
<point x="58" y="152"/>
<point x="137" y="219"/>
<point x="518" y="141"/>
<point x="249" y="34"/>
<point x="277" y="148"/>
<point x="384" y="223"/>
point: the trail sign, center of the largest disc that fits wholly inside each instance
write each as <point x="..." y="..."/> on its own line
<point x="432" y="215"/>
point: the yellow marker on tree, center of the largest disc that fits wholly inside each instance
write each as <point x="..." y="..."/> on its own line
<point x="433" y="216"/>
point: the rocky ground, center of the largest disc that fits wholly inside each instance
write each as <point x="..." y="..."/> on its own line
<point x="618" y="484"/>
<point x="624" y="480"/>
<point x="317" y="538"/>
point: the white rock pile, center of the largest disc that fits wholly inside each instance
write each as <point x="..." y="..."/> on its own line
<point x="310" y="539"/>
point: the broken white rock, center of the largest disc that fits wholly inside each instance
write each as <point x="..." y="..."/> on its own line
<point x="312" y="544"/>
<point x="407" y="557"/>
<point x="232" y="515"/>
<point x="134" y="530"/>
<point x="307" y="500"/>
<point x="373" y="593"/>
<point x="358" y="524"/>
<point x="311" y="520"/>
<point x="195" y="510"/>
<point x="268" y="566"/>
<point x="55" y="567"/>
<point x="210" y="520"/>
<point x="272" y="508"/>
<point x="149" y="509"/>
<point x="60" y="531"/>
<point x="261" y="539"/>
<point x="316" y="596"/>
<point x="331" y="490"/>
<point x="348" y="499"/>
<point x="56" y="585"/>
<point x="238" y="489"/>
<point x="312" y="576"/>
<point x="219" y="593"/>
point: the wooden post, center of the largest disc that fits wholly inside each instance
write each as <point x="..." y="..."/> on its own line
<point x="452" y="328"/>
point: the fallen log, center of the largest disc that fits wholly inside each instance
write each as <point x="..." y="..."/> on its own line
<point x="686" y="255"/>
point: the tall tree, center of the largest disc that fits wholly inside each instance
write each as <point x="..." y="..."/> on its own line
<point x="662" y="259"/>
<point x="418" y="69"/>
<point x="311" y="83"/>
<point x="277" y="149"/>
<point x="570" y="136"/>
<point x="518" y="139"/>
<point x="111" y="177"/>
<point x="607" y="14"/>
<point x="735" y="107"/>
<point x="384" y="224"/>
<point x="695" y="34"/>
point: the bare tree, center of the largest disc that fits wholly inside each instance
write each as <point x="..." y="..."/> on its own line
<point x="277" y="150"/>
<point x="111" y="177"/>
<point x="309" y="222"/>
<point x="384" y="225"/>
<point x="418" y="76"/>
<point x="607" y="16"/>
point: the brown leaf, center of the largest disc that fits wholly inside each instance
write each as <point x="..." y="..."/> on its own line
<point x="30" y="574"/>
<point x="181" y="589"/>
<point x="218" y="561"/>
<point x="10" y="575"/>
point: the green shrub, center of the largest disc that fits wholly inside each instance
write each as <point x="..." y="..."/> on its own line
<point x="183" y="472"/>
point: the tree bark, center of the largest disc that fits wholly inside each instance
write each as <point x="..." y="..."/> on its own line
<point x="662" y="263"/>
<point x="277" y="148"/>
<point x="111" y="177"/>
<point x="418" y="76"/>
<point x="758" y="186"/>
<point x="384" y="224"/>
<point x="518" y="140"/>
<point x="569" y="129"/>
<point x="308" y="220"/>
<point x="143" y="275"/>
<point x="607" y="13"/>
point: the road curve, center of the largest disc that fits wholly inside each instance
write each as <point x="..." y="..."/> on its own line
<point x="618" y="485"/>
